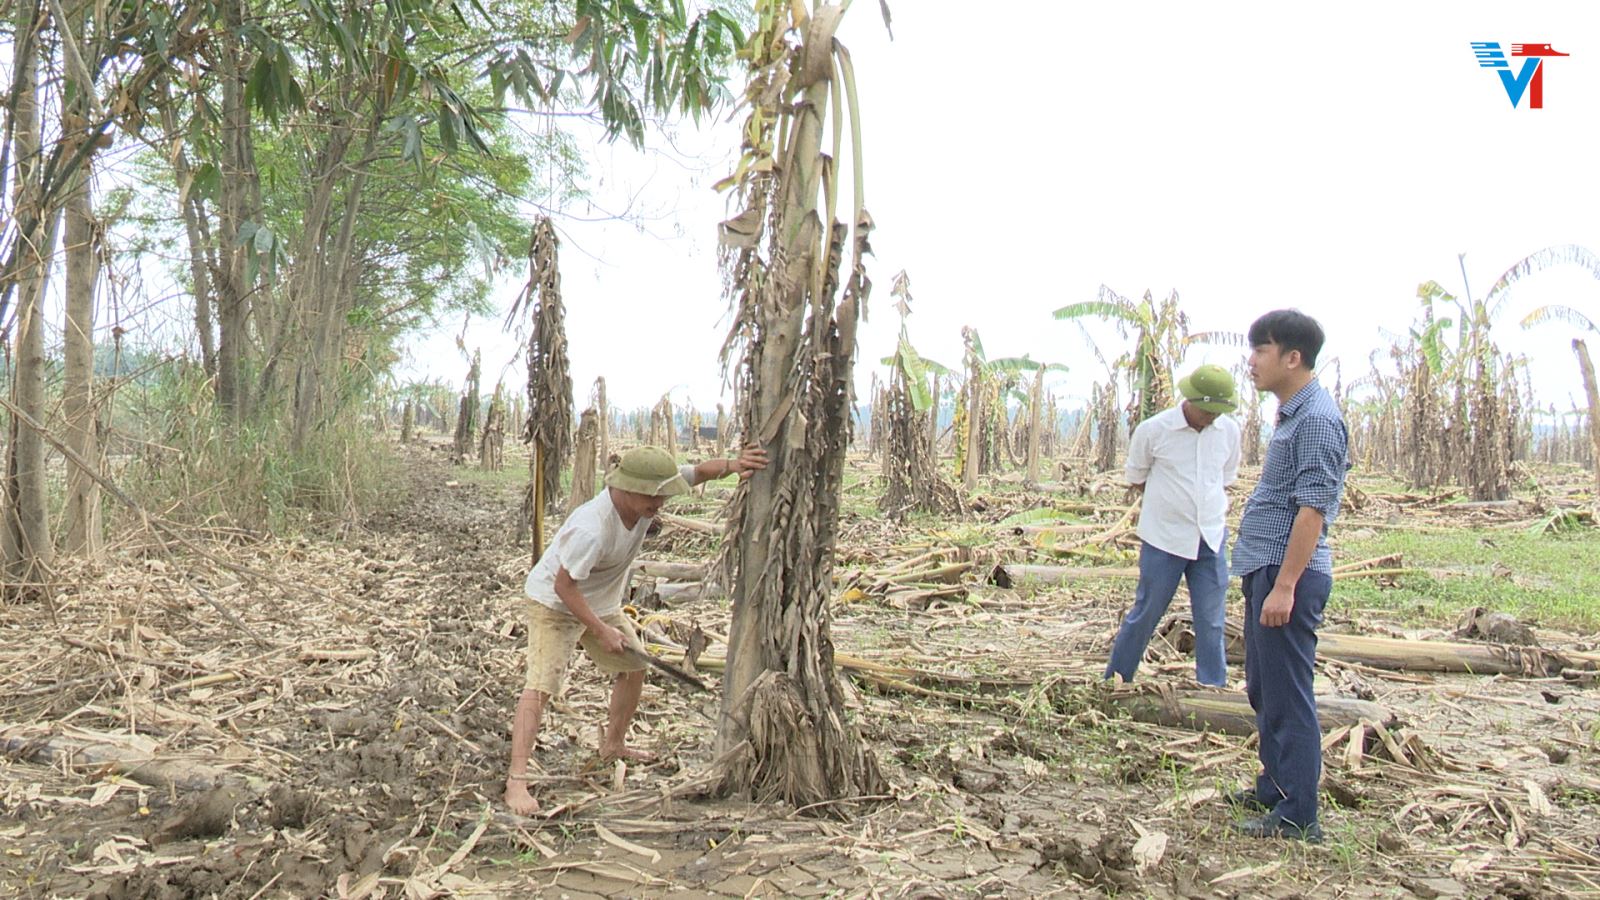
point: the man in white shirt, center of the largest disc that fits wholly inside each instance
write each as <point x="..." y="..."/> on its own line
<point x="1182" y="459"/>
<point x="575" y="597"/>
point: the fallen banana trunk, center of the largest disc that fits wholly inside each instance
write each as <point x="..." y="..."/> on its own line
<point x="671" y="571"/>
<point x="1018" y="574"/>
<point x="1230" y="713"/>
<point x="696" y="525"/>
<point x="1446" y="656"/>
<point x="1009" y="575"/>
<point x="1401" y="655"/>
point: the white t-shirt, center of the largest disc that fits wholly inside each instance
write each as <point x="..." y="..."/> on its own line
<point x="596" y="550"/>
<point x="1184" y="472"/>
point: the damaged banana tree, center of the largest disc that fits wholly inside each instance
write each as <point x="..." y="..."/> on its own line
<point x="784" y="732"/>
<point x="911" y="479"/>
<point x="549" y="425"/>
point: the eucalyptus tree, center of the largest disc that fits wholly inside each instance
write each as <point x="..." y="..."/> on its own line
<point x="359" y="101"/>
<point x="784" y="730"/>
<point x="25" y="540"/>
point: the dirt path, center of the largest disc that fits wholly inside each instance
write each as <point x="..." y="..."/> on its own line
<point x="367" y="741"/>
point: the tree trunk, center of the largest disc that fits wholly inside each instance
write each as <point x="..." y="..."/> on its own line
<point x="1230" y="713"/>
<point x="784" y="730"/>
<point x="192" y="210"/>
<point x="1035" y="403"/>
<point x="910" y="474"/>
<point x="491" y="445"/>
<point x="408" y="422"/>
<point x="25" y="536"/>
<point x="81" y="515"/>
<point x="237" y="167"/>
<point x="583" y="459"/>
<point x="313" y="296"/>
<point x="467" y="416"/>
<point x="549" y="381"/>
<point x="1586" y="366"/>
<point x="603" y="411"/>
<point x="974" y="435"/>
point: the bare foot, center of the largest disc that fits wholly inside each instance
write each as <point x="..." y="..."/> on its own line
<point x="519" y="800"/>
<point x="632" y="754"/>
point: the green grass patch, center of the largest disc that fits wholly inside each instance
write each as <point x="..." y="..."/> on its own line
<point x="1550" y="579"/>
<point x="510" y="477"/>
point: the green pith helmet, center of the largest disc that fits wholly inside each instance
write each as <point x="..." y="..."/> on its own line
<point x="1209" y="388"/>
<point x="649" y="471"/>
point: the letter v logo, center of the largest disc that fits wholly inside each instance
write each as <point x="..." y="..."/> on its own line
<point x="1515" y="87"/>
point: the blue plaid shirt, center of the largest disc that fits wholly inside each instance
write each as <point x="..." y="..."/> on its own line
<point x="1306" y="461"/>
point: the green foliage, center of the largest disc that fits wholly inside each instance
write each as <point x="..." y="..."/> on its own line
<point x="915" y="372"/>
<point x="1043" y="516"/>
<point x="1433" y="350"/>
<point x="1160" y="337"/>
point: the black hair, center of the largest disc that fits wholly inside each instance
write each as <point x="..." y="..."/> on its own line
<point x="1290" y="329"/>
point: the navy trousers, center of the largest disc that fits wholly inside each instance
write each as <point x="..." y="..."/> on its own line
<point x="1278" y="670"/>
<point x="1159" y="573"/>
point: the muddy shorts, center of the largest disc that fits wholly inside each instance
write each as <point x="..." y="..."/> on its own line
<point x="551" y="635"/>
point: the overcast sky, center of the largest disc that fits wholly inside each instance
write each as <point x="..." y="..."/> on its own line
<point x="1248" y="155"/>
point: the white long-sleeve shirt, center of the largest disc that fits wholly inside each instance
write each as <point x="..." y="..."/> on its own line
<point x="1184" y="473"/>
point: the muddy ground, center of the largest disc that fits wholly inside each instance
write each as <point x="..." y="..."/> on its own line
<point x="358" y="736"/>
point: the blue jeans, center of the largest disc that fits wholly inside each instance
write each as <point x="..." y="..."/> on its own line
<point x="1159" y="572"/>
<point x="1279" y="664"/>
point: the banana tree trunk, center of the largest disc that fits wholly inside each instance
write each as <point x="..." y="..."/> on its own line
<point x="1035" y="407"/>
<point x="784" y="731"/>
<point x="604" y="414"/>
<point x="583" y="459"/>
<point x="974" y="436"/>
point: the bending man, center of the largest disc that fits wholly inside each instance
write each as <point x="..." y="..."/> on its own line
<point x="575" y="597"/>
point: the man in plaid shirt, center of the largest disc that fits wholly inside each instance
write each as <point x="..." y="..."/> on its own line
<point x="1282" y="556"/>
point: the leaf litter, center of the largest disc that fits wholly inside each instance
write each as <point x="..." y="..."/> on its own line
<point x="151" y="748"/>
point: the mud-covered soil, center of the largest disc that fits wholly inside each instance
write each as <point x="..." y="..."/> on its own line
<point x="362" y="729"/>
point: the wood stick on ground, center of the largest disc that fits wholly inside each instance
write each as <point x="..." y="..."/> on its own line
<point x="1386" y="561"/>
